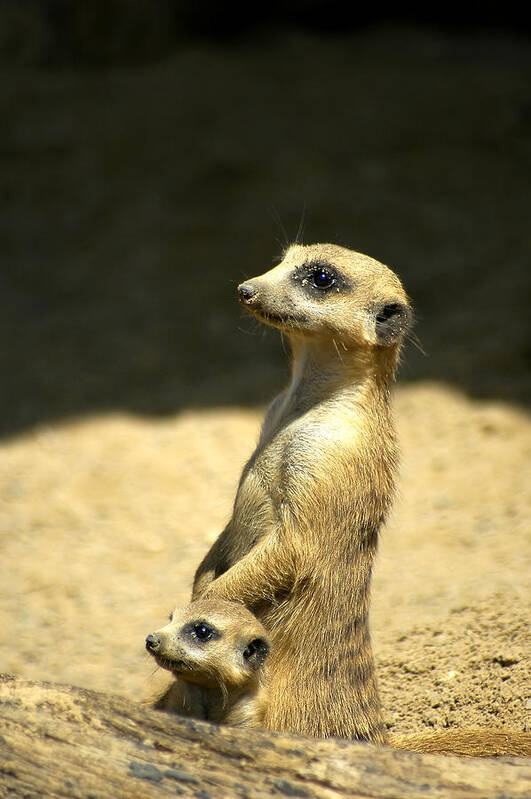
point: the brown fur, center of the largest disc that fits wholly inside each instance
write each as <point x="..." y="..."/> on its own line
<point x="300" y="545"/>
<point x="467" y="743"/>
<point x="218" y="685"/>
<point x="217" y="679"/>
<point x="299" y="548"/>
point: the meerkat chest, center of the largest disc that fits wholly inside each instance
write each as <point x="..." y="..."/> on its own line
<point x="301" y="452"/>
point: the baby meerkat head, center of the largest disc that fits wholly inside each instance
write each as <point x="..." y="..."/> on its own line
<point x="210" y="642"/>
<point x="326" y="292"/>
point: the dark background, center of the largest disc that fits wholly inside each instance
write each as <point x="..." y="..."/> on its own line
<point x="152" y="154"/>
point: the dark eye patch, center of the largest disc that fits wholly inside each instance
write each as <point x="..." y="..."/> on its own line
<point x="203" y="631"/>
<point x="200" y="631"/>
<point x="319" y="277"/>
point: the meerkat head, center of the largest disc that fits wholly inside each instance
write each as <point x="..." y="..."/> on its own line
<point x="211" y="642"/>
<point x="325" y="292"/>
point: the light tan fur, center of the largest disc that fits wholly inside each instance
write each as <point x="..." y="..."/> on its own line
<point x="218" y="684"/>
<point x="299" y="548"/>
<point x="300" y="545"/>
<point x="220" y="678"/>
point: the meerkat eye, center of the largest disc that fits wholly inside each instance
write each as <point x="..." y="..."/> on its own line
<point x="321" y="278"/>
<point x="170" y="616"/>
<point x="202" y="631"/>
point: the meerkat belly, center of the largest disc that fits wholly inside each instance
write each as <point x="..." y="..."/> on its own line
<point x="307" y="453"/>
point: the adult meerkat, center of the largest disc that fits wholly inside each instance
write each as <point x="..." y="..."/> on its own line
<point x="216" y="651"/>
<point x="299" y="548"/>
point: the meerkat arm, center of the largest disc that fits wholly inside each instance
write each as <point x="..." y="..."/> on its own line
<point x="201" y="583"/>
<point x="213" y="563"/>
<point x="206" y="571"/>
<point x="251" y="579"/>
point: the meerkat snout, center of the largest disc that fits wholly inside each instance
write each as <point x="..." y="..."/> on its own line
<point x="247" y="293"/>
<point x="152" y="643"/>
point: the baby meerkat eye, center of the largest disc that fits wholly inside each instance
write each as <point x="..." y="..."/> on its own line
<point x="202" y="631"/>
<point x="321" y="278"/>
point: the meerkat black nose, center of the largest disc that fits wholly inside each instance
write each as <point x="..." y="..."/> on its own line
<point x="152" y="643"/>
<point x="247" y="293"/>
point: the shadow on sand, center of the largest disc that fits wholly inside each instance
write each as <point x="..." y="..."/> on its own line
<point x="134" y="200"/>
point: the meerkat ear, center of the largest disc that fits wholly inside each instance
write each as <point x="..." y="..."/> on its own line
<point x="256" y="652"/>
<point x="391" y="320"/>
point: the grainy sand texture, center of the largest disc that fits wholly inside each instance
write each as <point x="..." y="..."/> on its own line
<point x="134" y="199"/>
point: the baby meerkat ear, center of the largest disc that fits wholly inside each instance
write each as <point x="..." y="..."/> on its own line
<point x="256" y="652"/>
<point x="391" y="320"/>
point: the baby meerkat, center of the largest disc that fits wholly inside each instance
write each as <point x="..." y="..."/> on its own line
<point x="299" y="548"/>
<point x="216" y="650"/>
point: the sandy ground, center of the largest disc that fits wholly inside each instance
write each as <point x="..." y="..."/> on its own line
<point x="105" y="520"/>
<point x="132" y="201"/>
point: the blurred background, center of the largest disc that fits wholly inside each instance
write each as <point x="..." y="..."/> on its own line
<point x="152" y="155"/>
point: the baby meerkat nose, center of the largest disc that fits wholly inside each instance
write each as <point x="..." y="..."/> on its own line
<point x="247" y="292"/>
<point x="152" y="643"/>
